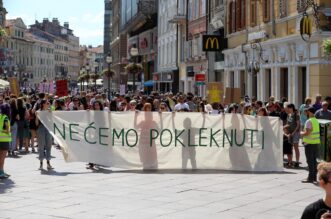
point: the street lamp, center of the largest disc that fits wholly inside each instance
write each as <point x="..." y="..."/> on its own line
<point x="69" y="83"/>
<point x="96" y="75"/>
<point x="109" y="60"/>
<point x="134" y="54"/>
<point x="87" y="68"/>
<point x="81" y="75"/>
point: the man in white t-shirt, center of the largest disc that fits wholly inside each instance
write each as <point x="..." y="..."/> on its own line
<point x="181" y="105"/>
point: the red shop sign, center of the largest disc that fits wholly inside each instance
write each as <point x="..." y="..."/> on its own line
<point x="200" y="77"/>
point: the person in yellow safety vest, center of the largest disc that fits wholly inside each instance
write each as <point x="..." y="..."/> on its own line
<point x="5" y="137"/>
<point x="311" y="141"/>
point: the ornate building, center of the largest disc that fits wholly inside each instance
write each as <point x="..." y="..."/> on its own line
<point x="265" y="36"/>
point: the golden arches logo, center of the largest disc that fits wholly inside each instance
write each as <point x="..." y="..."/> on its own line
<point x="306" y="26"/>
<point x="211" y="41"/>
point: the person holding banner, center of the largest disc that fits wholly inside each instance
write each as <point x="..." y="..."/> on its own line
<point x="97" y="106"/>
<point x="44" y="138"/>
<point x="5" y="137"/>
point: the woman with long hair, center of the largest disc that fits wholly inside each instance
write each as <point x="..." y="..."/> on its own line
<point x="32" y="126"/>
<point x="44" y="138"/>
<point x="23" y="126"/>
<point x="96" y="106"/>
<point x="293" y="120"/>
<point x="13" y="126"/>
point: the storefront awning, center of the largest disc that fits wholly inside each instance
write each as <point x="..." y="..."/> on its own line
<point x="149" y="83"/>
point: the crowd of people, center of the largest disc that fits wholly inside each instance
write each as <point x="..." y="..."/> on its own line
<point x="19" y="116"/>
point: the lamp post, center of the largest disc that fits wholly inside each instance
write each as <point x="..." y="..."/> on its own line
<point x="87" y="68"/>
<point x="96" y="75"/>
<point x="109" y="60"/>
<point x="134" y="54"/>
<point x="69" y="83"/>
<point x="81" y="75"/>
<point x="44" y="84"/>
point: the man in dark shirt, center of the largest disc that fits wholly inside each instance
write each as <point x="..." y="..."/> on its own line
<point x="322" y="207"/>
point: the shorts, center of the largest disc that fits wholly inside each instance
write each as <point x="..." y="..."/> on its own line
<point x="295" y="138"/>
<point x="4" y="146"/>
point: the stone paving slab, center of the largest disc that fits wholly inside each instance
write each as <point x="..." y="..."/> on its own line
<point x="72" y="191"/>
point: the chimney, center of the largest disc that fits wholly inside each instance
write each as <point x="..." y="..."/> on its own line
<point x="66" y="25"/>
<point x="45" y="20"/>
<point x="55" y="21"/>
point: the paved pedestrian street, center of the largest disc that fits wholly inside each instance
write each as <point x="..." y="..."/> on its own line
<point x="72" y="191"/>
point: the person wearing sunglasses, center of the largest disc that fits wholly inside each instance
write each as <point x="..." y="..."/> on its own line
<point x="322" y="207"/>
<point x="163" y="107"/>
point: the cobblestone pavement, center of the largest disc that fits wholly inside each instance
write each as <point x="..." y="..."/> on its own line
<point x="72" y="191"/>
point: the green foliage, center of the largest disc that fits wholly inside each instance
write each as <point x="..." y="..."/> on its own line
<point x="327" y="47"/>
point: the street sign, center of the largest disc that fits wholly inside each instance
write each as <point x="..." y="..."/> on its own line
<point x="211" y="43"/>
<point x="200" y="77"/>
<point x="215" y="92"/>
<point x="14" y="88"/>
<point x="61" y="88"/>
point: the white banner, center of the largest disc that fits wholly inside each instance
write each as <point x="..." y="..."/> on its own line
<point x="168" y="140"/>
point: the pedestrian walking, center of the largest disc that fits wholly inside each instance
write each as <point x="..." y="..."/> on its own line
<point x="44" y="138"/>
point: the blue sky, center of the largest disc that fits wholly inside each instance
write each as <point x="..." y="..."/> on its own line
<point x="85" y="17"/>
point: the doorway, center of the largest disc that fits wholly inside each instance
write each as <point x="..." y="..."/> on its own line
<point x="284" y="83"/>
<point x="242" y="83"/>
<point x="267" y="83"/>
<point x="302" y="84"/>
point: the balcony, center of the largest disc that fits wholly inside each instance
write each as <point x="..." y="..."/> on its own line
<point x="178" y="19"/>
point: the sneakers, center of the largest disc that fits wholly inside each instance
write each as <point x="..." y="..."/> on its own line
<point x="49" y="166"/>
<point x="308" y="181"/>
<point x="4" y="175"/>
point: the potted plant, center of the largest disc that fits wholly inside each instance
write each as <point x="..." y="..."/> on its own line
<point x="134" y="68"/>
<point x="108" y="73"/>
<point x="3" y="33"/>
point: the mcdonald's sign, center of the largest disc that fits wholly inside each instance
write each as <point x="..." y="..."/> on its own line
<point x="305" y="26"/>
<point x="211" y="43"/>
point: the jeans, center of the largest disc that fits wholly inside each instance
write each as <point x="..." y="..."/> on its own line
<point x="311" y="151"/>
<point x="13" y="130"/>
<point x="44" y="143"/>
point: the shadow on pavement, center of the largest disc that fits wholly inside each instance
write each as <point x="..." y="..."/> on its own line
<point x="197" y="171"/>
<point x="6" y="184"/>
<point x="55" y="173"/>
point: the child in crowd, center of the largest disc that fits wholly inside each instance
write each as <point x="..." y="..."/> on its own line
<point x="287" y="146"/>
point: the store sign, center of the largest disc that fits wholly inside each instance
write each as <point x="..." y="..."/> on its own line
<point x="200" y="77"/>
<point x="143" y="44"/>
<point x="211" y="43"/>
<point x="257" y="35"/>
<point x="61" y="88"/>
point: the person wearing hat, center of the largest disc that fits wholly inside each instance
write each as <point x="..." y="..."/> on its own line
<point x="311" y="140"/>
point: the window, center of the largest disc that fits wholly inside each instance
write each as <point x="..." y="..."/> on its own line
<point x="266" y="10"/>
<point x="237" y="15"/>
<point x="282" y="8"/>
<point x="232" y="17"/>
<point x="253" y="13"/>
<point x="301" y="5"/>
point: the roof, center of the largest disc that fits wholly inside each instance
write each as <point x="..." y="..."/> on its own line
<point x="36" y="38"/>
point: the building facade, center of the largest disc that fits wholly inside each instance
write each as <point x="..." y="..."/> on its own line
<point x="265" y="35"/>
<point x="167" y="62"/>
<point x="107" y="35"/>
<point x="21" y="61"/>
<point x="42" y="58"/>
<point x="195" y="59"/>
<point x="66" y="46"/>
